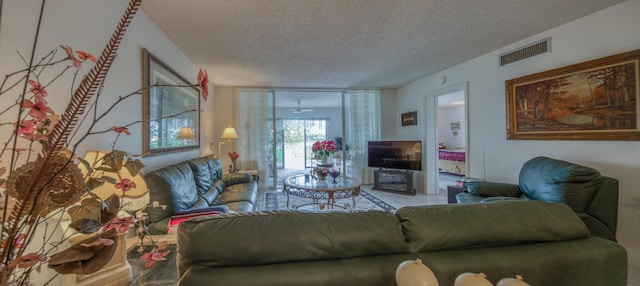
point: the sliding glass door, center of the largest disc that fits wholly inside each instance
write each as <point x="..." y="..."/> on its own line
<point x="302" y="118"/>
<point x="294" y="138"/>
<point x="277" y="129"/>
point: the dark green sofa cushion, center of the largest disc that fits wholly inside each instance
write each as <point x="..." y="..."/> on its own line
<point x="201" y="173"/>
<point x="174" y="187"/>
<point x="429" y="228"/>
<point x="211" y="195"/>
<point x="287" y="236"/>
<point x="246" y="192"/>
<point x="551" y="180"/>
<point x="370" y="270"/>
<point x="215" y="166"/>
<point x="590" y="261"/>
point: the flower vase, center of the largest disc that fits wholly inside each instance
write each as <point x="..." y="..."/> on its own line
<point x="321" y="173"/>
<point x="325" y="161"/>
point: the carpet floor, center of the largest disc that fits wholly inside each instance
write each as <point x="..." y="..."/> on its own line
<point x="364" y="201"/>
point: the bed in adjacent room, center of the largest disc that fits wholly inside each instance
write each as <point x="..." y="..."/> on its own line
<point x="451" y="161"/>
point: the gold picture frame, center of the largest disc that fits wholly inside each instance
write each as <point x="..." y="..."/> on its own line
<point x="593" y="100"/>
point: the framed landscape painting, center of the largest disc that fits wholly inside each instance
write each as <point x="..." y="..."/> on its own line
<point x="594" y="100"/>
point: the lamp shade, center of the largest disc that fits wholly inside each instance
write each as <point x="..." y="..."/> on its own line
<point x="186" y="133"/>
<point x="416" y="147"/>
<point x="102" y="162"/>
<point x="229" y="133"/>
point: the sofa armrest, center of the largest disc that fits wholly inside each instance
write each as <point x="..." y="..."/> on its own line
<point x="465" y="198"/>
<point x="493" y="189"/>
<point x="236" y="178"/>
<point x="603" y="210"/>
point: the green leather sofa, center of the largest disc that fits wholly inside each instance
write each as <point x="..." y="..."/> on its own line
<point x="196" y="184"/>
<point x="546" y="243"/>
<point x="592" y="196"/>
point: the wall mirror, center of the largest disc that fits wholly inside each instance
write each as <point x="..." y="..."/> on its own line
<point x="170" y="104"/>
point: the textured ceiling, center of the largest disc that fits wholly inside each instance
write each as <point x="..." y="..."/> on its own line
<point x="349" y="43"/>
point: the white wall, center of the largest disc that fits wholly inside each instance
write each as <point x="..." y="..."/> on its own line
<point x="388" y="116"/>
<point x="494" y="158"/>
<point x="447" y="115"/>
<point x="79" y="25"/>
<point x="87" y="25"/>
<point x="225" y="116"/>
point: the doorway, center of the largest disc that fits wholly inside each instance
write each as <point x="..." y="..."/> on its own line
<point x="446" y="134"/>
<point x="293" y="149"/>
<point x="451" y="138"/>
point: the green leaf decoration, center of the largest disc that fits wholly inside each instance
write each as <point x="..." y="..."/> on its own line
<point x="110" y="179"/>
<point x="93" y="183"/>
<point x="134" y="167"/>
<point x="86" y="165"/>
<point x="89" y="208"/>
<point x="114" y="160"/>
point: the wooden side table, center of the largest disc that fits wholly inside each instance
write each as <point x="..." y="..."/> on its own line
<point x="254" y="174"/>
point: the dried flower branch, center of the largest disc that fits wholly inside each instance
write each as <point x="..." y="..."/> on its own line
<point x="43" y="177"/>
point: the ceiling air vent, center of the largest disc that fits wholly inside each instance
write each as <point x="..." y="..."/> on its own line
<point x="526" y="52"/>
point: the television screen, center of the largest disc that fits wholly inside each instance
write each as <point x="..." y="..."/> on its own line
<point x="405" y="155"/>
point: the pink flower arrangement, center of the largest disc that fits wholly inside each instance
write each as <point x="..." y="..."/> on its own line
<point x="234" y="159"/>
<point x="324" y="148"/>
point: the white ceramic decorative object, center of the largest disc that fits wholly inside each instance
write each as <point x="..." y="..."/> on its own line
<point x="415" y="273"/>
<point x="472" y="279"/>
<point x="512" y="282"/>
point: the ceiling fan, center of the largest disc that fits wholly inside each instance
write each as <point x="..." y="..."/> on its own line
<point x="299" y="110"/>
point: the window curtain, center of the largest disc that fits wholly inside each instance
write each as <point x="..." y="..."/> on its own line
<point x="253" y="126"/>
<point x="363" y="125"/>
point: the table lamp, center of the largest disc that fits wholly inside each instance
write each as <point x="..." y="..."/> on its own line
<point x="228" y="133"/>
<point x="109" y="163"/>
<point x="186" y="133"/>
<point x="102" y="170"/>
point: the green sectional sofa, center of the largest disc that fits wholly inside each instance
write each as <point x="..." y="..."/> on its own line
<point x="592" y="196"/>
<point x="193" y="185"/>
<point x="546" y="243"/>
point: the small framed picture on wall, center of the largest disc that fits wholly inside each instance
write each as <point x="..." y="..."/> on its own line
<point x="410" y="118"/>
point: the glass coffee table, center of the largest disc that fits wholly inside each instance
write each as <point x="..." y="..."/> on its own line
<point x="323" y="194"/>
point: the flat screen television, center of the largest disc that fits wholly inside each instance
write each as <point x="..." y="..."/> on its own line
<point x="403" y="155"/>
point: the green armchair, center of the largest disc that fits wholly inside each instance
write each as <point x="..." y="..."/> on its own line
<point x="592" y="196"/>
